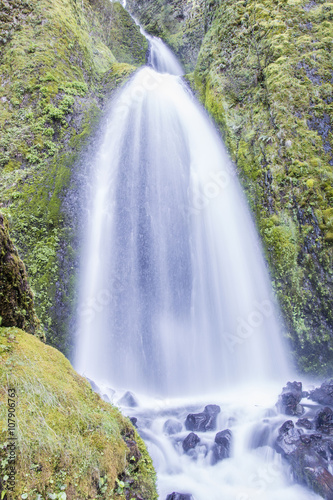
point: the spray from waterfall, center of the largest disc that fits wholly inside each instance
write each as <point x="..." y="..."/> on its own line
<point x="175" y="297"/>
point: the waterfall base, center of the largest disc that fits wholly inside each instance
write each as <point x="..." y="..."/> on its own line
<point x="197" y="465"/>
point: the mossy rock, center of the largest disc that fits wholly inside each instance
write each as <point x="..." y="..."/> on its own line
<point x="16" y="297"/>
<point x="69" y="443"/>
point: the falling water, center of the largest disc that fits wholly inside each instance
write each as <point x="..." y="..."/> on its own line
<point x="175" y="298"/>
<point x="172" y="260"/>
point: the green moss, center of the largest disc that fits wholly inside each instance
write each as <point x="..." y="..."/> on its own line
<point x="264" y="74"/>
<point x="52" y="96"/>
<point x="16" y="297"/>
<point x="69" y="441"/>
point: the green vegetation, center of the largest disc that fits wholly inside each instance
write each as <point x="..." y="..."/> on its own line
<point x="264" y="72"/>
<point x="70" y="444"/>
<point x="16" y="298"/>
<point x="60" y="61"/>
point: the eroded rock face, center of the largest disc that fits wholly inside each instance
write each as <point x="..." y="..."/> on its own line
<point x="204" y="421"/>
<point x="16" y="298"/>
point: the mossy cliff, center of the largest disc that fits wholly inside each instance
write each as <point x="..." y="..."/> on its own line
<point x="16" y="298"/>
<point x="60" y="60"/>
<point x="69" y="443"/>
<point x="265" y="73"/>
<point x="181" y="24"/>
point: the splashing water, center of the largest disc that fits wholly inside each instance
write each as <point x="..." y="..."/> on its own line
<point x="175" y="297"/>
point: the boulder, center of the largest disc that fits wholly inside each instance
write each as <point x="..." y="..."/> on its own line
<point x="288" y="439"/>
<point x="134" y="421"/>
<point x="324" y="421"/>
<point x="222" y="445"/>
<point x="205" y="421"/>
<point x="290" y="398"/>
<point x="179" y="496"/>
<point x="323" y="394"/>
<point x="190" y="442"/>
<point x="309" y="455"/>
<point x="305" y="423"/>
<point x="172" y="426"/>
<point x="128" y="399"/>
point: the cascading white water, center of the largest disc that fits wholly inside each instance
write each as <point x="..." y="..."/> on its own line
<point x="172" y="257"/>
<point x="175" y="298"/>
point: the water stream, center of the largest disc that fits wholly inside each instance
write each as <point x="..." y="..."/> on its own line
<point x="175" y="299"/>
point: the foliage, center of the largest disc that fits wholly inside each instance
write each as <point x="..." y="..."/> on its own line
<point x="57" y="71"/>
<point x="70" y="444"/>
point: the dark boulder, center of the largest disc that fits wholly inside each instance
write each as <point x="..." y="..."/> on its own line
<point x="324" y="421"/>
<point x="323" y="394"/>
<point x="309" y="456"/>
<point x="288" y="439"/>
<point x="179" y="496"/>
<point x="305" y="423"/>
<point x="290" y="398"/>
<point x="205" y="421"/>
<point x="222" y="445"/>
<point x="134" y="421"/>
<point x="128" y="400"/>
<point x="190" y="442"/>
<point x="172" y="426"/>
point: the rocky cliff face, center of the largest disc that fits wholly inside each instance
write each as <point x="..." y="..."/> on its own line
<point x="16" y="298"/>
<point x="60" y="61"/>
<point x="264" y="72"/>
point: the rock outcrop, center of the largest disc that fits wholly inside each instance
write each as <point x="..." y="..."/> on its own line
<point x="16" y="297"/>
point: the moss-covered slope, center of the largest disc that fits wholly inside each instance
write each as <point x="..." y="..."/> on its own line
<point x="60" y="61"/>
<point x="70" y="444"/>
<point x="264" y="73"/>
<point x="16" y="298"/>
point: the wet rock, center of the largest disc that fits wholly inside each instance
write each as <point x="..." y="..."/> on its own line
<point x="289" y="399"/>
<point x="304" y="422"/>
<point x="179" y="496"/>
<point x="309" y="454"/>
<point x="205" y="421"/>
<point x="128" y="400"/>
<point x="323" y="394"/>
<point x="134" y="421"/>
<point x="222" y="445"/>
<point x="324" y="421"/>
<point x="288" y="439"/>
<point x="322" y="479"/>
<point x="172" y="426"/>
<point x="190" y="442"/>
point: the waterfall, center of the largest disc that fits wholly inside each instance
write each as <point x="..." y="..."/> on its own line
<point x="175" y="297"/>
